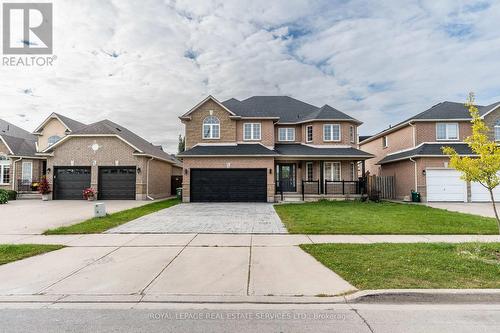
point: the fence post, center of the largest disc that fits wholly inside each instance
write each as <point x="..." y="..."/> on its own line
<point x="318" y="187"/>
<point x="343" y="187"/>
<point x="326" y="187"/>
<point x="302" y="190"/>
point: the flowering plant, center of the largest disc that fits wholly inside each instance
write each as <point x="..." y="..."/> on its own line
<point x="43" y="186"/>
<point x="89" y="193"/>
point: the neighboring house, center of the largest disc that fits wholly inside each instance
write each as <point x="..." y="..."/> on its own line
<point x="117" y="163"/>
<point x="411" y="152"/>
<point x="263" y="147"/>
<point x="19" y="164"/>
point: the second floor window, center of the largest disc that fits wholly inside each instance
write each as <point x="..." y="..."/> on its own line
<point x="351" y="133"/>
<point x="309" y="133"/>
<point x="211" y="128"/>
<point x="385" y="142"/>
<point x="447" y="131"/>
<point x="331" y="132"/>
<point x="497" y="131"/>
<point x="53" y="139"/>
<point x="286" y="134"/>
<point x="251" y="131"/>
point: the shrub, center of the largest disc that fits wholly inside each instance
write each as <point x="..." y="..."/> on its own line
<point x="12" y="195"/>
<point x="4" y="197"/>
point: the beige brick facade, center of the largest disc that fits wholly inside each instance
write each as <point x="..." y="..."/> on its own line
<point x="426" y="131"/>
<point x="491" y="120"/>
<point x="113" y="152"/>
<point x="317" y="128"/>
<point x="266" y="128"/>
<point x="53" y="127"/>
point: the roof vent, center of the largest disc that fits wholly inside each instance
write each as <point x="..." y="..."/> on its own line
<point x="119" y="130"/>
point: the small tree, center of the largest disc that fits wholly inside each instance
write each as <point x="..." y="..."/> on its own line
<point x="182" y="144"/>
<point x="485" y="167"/>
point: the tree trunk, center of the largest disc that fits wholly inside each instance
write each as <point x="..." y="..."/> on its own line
<point x="494" y="208"/>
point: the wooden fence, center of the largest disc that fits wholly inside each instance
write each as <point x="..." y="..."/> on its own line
<point x="384" y="185"/>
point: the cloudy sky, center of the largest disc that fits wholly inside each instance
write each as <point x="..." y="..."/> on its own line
<point x="144" y="63"/>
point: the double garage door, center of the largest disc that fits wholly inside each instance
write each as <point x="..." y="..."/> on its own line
<point x="115" y="183"/>
<point x="228" y="185"/>
<point x="446" y="185"/>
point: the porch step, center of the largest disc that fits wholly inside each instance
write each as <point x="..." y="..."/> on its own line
<point x="29" y="196"/>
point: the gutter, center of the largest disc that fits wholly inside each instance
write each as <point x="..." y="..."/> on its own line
<point x="414" y="132"/>
<point x="14" y="173"/>
<point x="147" y="179"/>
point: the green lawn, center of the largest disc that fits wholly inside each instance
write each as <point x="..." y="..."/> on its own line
<point x="355" y="217"/>
<point x="98" y="225"/>
<point x="404" y="266"/>
<point x="9" y="253"/>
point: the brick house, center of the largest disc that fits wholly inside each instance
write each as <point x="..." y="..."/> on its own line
<point x="114" y="161"/>
<point x="411" y="152"/>
<point x="268" y="148"/>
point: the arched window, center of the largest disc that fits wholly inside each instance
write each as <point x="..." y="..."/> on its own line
<point x="497" y="130"/>
<point x="53" y="139"/>
<point x="211" y="128"/>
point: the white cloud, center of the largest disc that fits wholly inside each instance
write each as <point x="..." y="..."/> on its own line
<point x="144" y="63"/>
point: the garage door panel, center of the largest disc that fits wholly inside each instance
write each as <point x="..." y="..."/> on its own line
<point x="228" y="185"/>
<point x="445" y="185"/>
<point x="69" y="182"/>
<point x="117" y="183"/>
<point x="480" y="194"/>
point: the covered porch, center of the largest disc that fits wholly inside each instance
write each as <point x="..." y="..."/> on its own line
<point x="310" y="180"/>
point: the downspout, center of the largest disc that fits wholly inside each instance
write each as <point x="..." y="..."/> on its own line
<point x="14" y="173"/>
<point x="416" y="182"/>
<point x="147" y="179"/>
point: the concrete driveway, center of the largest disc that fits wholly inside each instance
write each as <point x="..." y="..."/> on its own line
<point x="36" y="216"/>
<point x="212" y="218"/>
<point x="476" y="208"/>
<point x="159" y="267"/>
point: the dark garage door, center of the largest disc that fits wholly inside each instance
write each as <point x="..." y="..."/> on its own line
<point x="228" y="185"/>
<point x="116" y="183"/>
<point x="69" y="182"/>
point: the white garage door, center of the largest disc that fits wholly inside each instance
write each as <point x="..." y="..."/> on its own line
<point x="480" y="194"/>
<point x="445" y="185"/>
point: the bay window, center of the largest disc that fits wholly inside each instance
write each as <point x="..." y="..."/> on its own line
<point x="331" y="132"/>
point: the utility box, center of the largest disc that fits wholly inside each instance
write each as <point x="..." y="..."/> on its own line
<point x="99" y="210"/>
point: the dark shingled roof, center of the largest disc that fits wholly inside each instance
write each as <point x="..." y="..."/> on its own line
<point x="21" y="142"/>
<point x="279" y="150"/>
<point x="287" y="109"/>
<point x="109" y="127"/>
<point x="364" y="137"/>
<point x="229" y="150"/>
<point x="305" y="150"/>
<point x="427" y="149"/>
<point x="72" y="124"/>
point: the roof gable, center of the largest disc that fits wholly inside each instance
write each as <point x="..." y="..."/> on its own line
<point x="70" y="124"/>
<point x="209" y="97"/>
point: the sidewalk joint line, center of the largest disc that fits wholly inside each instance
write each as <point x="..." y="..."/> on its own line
<point x="141" y="292"/>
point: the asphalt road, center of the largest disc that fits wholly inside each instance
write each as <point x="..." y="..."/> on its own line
<point x="332" y="318"/>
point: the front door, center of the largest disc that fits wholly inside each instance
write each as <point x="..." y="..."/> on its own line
<point x="285" y="178"/>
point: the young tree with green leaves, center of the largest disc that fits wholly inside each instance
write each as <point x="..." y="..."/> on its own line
<point x="483" y="168"/>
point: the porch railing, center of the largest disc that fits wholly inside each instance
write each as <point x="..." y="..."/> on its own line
<point x="342" y="187"/>
<point x="26" y="185"/>
<point x="310" y="187"/>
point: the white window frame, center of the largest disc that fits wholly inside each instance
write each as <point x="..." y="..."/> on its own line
<point x="210" y="136"/>
<point x="309" y="166"/>
<point x="331" y="139"/>
<point x="287" y="136"/>
<point x="331" y="170"/>
<point x="31" y="171"/>
<point x="4" y="164"/>
<point x="307" y="133"/>
<point x="354" y="171"/>
<point x="252" y="133"/>
<point x="385" y="141"/>
<point x="447" y="138"/>
<point x="351" y="134"/>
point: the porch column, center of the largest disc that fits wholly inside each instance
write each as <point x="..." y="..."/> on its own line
<point x="321" y="177"/>
<point x="363" y="173"/>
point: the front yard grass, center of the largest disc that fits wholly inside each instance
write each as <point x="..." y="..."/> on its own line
<point x="355" y="217"/>
<point x="404" y="266"/>
<point x="9" y="253"/>
<point x="99" y="224"/>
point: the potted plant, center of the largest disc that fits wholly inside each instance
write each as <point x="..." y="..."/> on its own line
<point x="44" y="188"/>
<point x="89" y="194"/>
